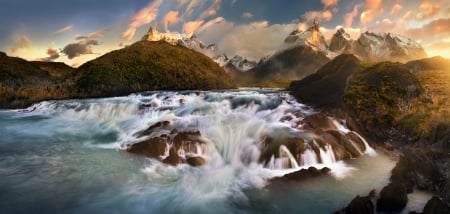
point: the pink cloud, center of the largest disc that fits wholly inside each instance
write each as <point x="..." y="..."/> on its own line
<point x="349" y="17"/>
<point x="428" y="10"/>
<point x="190" y="27"/>
<point x="396" y="9"/>
<point x="143" y="16"/>
<point x="325" y="15"/>
<point x="22" y="42"/>
<point x="64" y="29"/>
<point x="328" y="3"/>
<point x="170" y="18"/>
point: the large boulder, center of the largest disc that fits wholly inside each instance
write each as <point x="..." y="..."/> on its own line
<point x="360" y="205"/>
<point x="393" y="198"/>
<point x="436" y="206"/>
<point x="303" y="174"/>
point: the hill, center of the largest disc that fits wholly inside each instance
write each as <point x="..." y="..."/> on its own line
<point x="326" y="87"/>
<point x="147" y="66"/>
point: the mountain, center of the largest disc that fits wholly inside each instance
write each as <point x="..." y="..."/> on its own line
<point x="326" y="87"/>
<point x="341" y="42"/>
<point x="375" y="47"/>
<point x="54" y="69"/>
<point x="23" y="82"/>
<point x="434" y="63"/>
<point x="311" y="37"/>
<point x="147" y="66"/>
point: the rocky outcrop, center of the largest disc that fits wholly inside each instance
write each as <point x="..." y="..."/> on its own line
<point x="302" y="175"/>
<point x="321" y="142"/>
<point x="341" y="42"/>
<point x="170" y="146"/>
<point x="436" y="206"/>
<point x="360" y="205"/>
<point x="393" y="198"/>
<point x="326" y="87"/>
<point x="375" y="47"/>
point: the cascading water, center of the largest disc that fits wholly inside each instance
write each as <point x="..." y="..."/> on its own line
<point x="78" y="147"/>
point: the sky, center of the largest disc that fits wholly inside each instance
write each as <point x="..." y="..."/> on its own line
<point x="77" y="31"/>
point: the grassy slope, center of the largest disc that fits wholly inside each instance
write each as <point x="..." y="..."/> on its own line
<point x="149" y="66"/>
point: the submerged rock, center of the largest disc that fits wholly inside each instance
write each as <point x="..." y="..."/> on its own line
<point x="303" y="174"/>
<point x="195" y="161"/>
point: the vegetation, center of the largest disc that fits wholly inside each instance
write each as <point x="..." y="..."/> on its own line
<point x="140" y="67"/>
<point x="149" y="66"/>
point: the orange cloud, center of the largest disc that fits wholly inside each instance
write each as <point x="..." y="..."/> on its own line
<point x="143" y="16"/>
<point x="325" y="15"/>
<point x="170" y="18"/>
<point x="432" y="29"/>
<point x="328" y="3"/>
<point x="190" y="27"/>
<point x="428" y="10"/>
<point x="205" y="26"/>
<point x="372" y="12"/>
<point x="64" y="29"/>
<point x="349" y="17"/>
<point x="396" y="9"/>
<point x="373" y="4"/>
<point x="211" y="11"/>
<point x="22" y="42"/>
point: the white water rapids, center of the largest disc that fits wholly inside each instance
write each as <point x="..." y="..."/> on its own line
<point x="235" y="125"/>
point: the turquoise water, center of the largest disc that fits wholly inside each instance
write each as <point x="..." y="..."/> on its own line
<point x="68" y="157"/>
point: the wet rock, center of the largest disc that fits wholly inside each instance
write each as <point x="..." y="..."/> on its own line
<point x="388" y="146"/>
<point x="418" y="167"/>
<point x="196" y="161"/>
<point x="173" y="159"/>
<point x="152" y="128"/>
<point x="393" y="198"/>
<point x="303" y="174"/>
<point x="153" y="148"/>
<point x="318" y="121"/>
<point x="436" y="206"/>
<point x="344" y="141"/>
<point x="360" y="205"/>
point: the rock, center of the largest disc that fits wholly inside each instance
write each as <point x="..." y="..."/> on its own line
<point x="436" y="206"/>
<point x="303" y="174"/>
<point x="173" y="159"/>
<point x="388" y="146"/>
<point x="318" y="121"/>
<point x="157" y="126"/>
<point x="360" y="205"/>
<point x="326" y="87"/>
<point x="393" y="198"/>
<point x="196" y="161"/>
<point x="153" y="147"/>
<point x="341" y="41"/>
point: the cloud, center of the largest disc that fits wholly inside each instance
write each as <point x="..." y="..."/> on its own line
<point x="328" y="3"/>
<point x="325" y="15"/>
<point x="436" y="28"/>
<point x="170" y="18"/>
<point x="23" y="42"/>
<point x="211" y="11"/>
<point x="428" y="10"/>
<point x="208" y="24"/>
<point x="349" y="17"/>
<point x="247" y="15"/>
<point x="190" y="27"/>
<point x="373" y="10"/>
<point x="143" y="16"/>
<point x="52" y="55"/>
<point x="64" y="29"/>
<point x="190" y="8"/>
<point x="396" y="9"/>
<point x="83" y="45"/>
<point x="253" y="40"/>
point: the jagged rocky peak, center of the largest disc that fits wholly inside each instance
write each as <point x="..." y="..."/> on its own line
<point x="311" y="37"/>
<point x="341" y="41"/>
<point x="387" y="47"/>
<point x="242" y="64"/>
